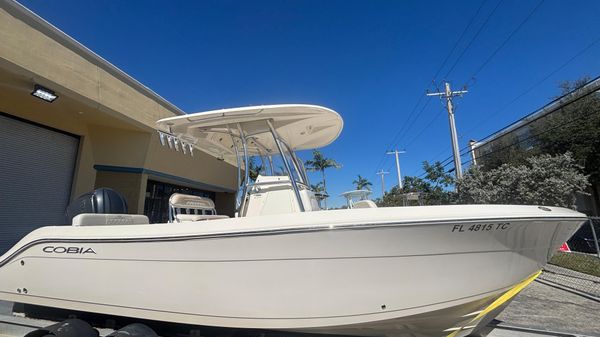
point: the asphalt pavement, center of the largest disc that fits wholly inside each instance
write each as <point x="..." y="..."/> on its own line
<point x="543" y="307"/>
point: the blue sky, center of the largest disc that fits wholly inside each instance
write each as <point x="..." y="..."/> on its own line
<point x="372" y="61"/>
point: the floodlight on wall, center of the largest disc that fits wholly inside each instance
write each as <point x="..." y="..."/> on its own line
<point x="44" y="93"/>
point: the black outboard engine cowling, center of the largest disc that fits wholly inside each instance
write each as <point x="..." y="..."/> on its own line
<point x="102" y="200"/>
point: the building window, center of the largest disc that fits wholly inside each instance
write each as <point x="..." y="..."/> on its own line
<point x="156" y="206"/>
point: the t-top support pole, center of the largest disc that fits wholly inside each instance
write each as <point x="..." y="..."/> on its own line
<point x="287" y="166"/>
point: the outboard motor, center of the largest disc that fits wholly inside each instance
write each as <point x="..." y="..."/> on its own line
<point x="102" y="200"/>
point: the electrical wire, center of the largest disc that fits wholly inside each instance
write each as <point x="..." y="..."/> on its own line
<point x="510" y="36"/>
<point x="516" y="98"/>
<point x="435" y="118"/>
<point x="487" y="19"/>
<point x="556" y="100"/>
<point x="538" y="134"/>
<point x="459" y="39"/>
<point x="559" y="107"/>
<point x="404" y="129"/>
<point x="538" y="83"/>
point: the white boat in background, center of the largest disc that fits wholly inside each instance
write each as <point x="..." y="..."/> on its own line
<point x="358" y="199"/>
<point x="282" y="263"/>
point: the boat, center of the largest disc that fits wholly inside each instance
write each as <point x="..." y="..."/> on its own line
<point x="282" y="263"/>
<point x="358" y="199"/>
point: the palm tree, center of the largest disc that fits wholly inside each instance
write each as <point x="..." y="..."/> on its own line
<point x="362" y="183"/>
<point x="318" y="188"/>
<point x="320" y="163"/>
<point x="320" y="193"/>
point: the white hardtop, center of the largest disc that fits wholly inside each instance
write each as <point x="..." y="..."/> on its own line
<point x="362" y="194"/>
<point x="362" y="199"/>
<point x="301" y="126"/>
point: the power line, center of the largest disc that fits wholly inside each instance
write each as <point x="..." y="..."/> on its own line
<point x="545" y="78"/>
<point x="487" y="19"/>
<point x="539" y="134"/>
<point x="413" y="121"/>
<point x="538" y="83"/>
<point x="410" y="121"/>
<point x="398" y="133"/>
<point x="561" y="106"/>
<point x="510" y="36"/>
<point x="459" y="39"/>
<point x="556" y="100"/>
<point x="435" y="118"/>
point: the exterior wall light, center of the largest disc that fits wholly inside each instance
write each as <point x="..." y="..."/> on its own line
<point x="44" y="93"/>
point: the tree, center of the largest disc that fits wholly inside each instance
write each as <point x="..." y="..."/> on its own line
<point x="362" y="183"/>
<point x="254" y="169"/>
<point x="320" y="193"/>
<point x="575" y="128"/>
<point x="320" y="163"/>
<point x="506" y="150"/>
<point x="541" y="180"/>
<point x="318" y="188"/>
<point x="432" y="188"/>
<point x="392" y="198"/>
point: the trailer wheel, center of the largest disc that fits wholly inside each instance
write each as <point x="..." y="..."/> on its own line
<point x="67" y="328"/>
<point x="134" y="330"/>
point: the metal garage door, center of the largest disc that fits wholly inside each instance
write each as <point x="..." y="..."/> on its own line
<point x="36" y="173"/>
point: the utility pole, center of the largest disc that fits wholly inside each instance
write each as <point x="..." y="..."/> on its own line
<point x="382" y="173"/>
<point x="396" y="152"/>
<point x="448" y="94"/>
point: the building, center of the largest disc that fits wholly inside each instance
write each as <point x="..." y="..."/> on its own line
<point x="519" y="135"/>
<point x="99" y="132"/>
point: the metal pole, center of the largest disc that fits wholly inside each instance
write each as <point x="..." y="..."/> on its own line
<point x="455" y="150"/>
<point x="287" y="166"/>
<point x="595" y="237"/>
<point x="396" y="152"/>
<point x="246" y="168"/>
<point x="382" y="173"/>
<point x="238" y="200"/>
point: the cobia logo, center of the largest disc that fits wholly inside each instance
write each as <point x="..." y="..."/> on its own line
<point x="68" y="250"/>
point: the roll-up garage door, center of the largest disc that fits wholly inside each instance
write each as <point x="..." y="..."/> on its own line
<point x="36" y="174"/>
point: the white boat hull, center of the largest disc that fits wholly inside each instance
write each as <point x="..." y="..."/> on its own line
<point x="409" y="275"/>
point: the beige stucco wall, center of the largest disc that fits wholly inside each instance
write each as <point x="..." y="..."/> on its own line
<point x="71" y="74"/>
<point x="131" y="185"/>
<point x="114" y="120"/>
